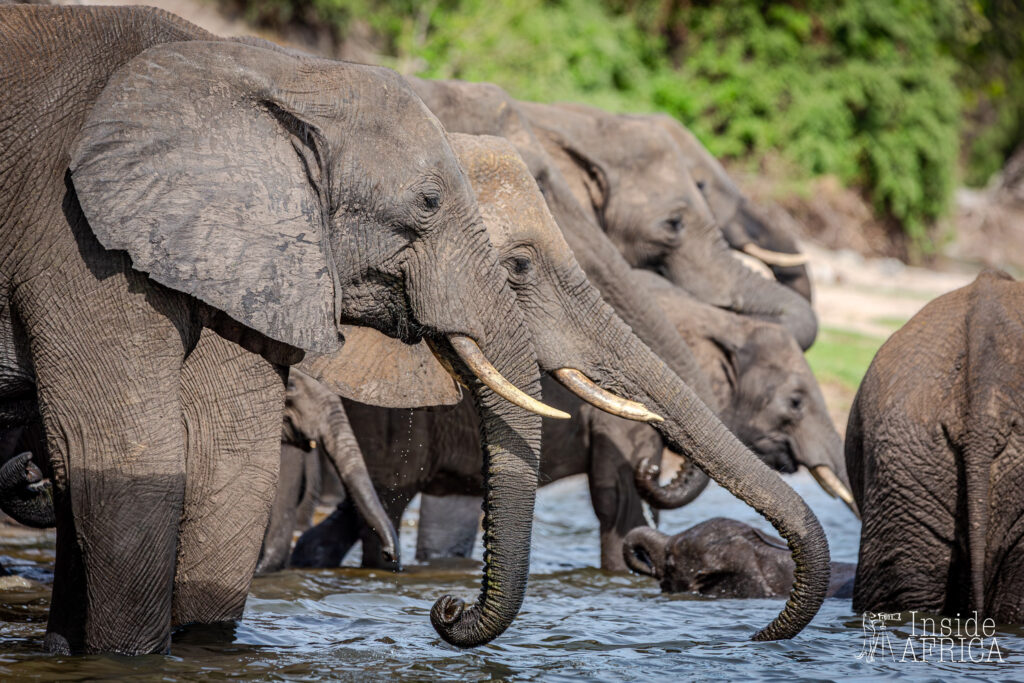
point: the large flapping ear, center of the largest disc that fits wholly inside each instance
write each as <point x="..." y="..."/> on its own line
<point x="378" y="370"/>
<point x="212" y="180"/>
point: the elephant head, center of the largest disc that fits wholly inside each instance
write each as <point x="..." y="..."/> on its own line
<point x="292" y="195"/>
<point x="721" y="558"/>
<point x="485" y="109"/>
<point x="635" y="181"/>
<point x="742" y="224"/>
<point x="25" y="494"/>
<point x="588" y="348"/>
<point x="763" y="386"/>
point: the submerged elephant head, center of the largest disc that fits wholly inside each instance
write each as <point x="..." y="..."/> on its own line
<point x="293" y="195"/>
<point x="720" y="558"/>
<point x="634" y="178"/>
<point x="587" y="347"/>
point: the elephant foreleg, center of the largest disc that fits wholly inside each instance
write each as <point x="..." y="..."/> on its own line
<point x="448" y="526"/>
<point x="232" y="401"/>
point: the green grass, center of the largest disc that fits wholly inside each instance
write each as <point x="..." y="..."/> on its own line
<point x="842" y="357"/>
<point x="892" y="322"/>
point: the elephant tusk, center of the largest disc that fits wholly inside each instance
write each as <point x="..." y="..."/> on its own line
<point x="581" y="385"/>
<point x="478" y="364"/>
<point x="774" y="258"/>
<point x="833" y="487"/>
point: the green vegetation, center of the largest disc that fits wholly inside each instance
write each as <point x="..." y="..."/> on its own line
<point x="886" y="95"/>
<point x="842" y="357"/>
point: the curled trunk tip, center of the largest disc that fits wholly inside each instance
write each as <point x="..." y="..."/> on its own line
<point x="688" y="483"/>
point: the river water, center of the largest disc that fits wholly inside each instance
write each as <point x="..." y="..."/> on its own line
<point x="578" y="623"/>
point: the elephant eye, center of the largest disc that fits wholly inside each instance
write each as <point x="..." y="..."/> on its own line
<point x="674" y="224"/>
<point x="701" y="185"/>
<point x="431" y="200"/>
<point x="796" y="402"/>
<point x="519" y="268"/>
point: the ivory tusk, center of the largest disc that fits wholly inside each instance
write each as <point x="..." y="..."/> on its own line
<point x="478" y="364"/>
<point x="774" y="258"/>
<point x="581" y="385"/>
<point x="835" y="488"/>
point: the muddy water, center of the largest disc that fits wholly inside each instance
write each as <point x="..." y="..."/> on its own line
<point x="578" y="623"/>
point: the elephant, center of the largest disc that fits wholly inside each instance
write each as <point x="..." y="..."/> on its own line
<point x="935" y="452"/>
<point x="759" y="376"/>
<point x="564" y="311"/>
<point x="722" y="558"/>
<point x="762" y="384"/>
<point x="635" y="182"/>
<point x="183" y="217"/>
<point x="314" y="413"/>
<point x="742" y="224"/>
<point x="26" y="496"/>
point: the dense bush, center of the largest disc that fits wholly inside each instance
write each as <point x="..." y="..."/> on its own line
<point x="871" y="91"/>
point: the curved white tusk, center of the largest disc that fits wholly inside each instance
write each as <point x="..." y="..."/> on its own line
<point x="775" y="258"/>
<point x="581" y="385"/>
<point x="474" y="358"/>
<point x="835" y="488"/>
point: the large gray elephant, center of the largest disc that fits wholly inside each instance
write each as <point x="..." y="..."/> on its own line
<point x="722" y="558"/>
<point x="164" y="191"/>
<point x="935" y="451"/>
<point x="566" y="313"/>
<point x="635" y="181"/>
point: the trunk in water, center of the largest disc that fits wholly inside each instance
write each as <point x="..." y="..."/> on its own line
<point x="510" y="438"/>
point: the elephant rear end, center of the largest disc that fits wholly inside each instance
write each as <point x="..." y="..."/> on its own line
<point x="935" y="454"/>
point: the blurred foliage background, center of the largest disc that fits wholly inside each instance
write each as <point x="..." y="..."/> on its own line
<point x="900" y="99"/>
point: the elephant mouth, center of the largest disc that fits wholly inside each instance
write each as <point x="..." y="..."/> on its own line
<point x="779" y="453"/>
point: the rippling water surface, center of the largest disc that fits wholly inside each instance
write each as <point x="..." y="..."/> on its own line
<point x="578" y="623"/>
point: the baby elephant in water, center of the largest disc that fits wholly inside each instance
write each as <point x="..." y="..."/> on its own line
<point x="722" y="558"/>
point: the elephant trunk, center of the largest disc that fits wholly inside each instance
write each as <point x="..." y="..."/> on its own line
<point x="688" y="483"/>
<point x="692" y="429"/>
<point x="25" y="494"/>
<point x="716" y="277"/>
<point x="339" y="443"/>
<point x="510" y="437"/>
<point x="643" y="549"/>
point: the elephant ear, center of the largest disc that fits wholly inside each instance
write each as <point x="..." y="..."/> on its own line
<point x="378" y="370"/>
<point x="209" y="178"/>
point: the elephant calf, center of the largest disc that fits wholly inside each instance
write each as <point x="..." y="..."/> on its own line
<point x="935" y="452"/>
<point x="722" y="558"/>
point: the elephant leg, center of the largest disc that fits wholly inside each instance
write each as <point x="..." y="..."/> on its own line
<point x="448" y="526"/>
<point x="616" y="445"/>
<point x="277" y="541"/>
<point x="233" y="401"/>
<point x="107" y="354"/>
<point x="326" y="544"/>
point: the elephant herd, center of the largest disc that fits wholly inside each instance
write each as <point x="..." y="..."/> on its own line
<point x="229" y="270"/>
